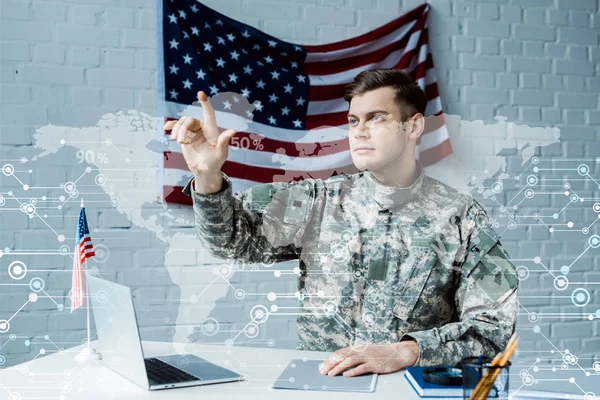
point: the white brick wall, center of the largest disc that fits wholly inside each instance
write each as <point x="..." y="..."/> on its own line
<point x="68" y="62"/>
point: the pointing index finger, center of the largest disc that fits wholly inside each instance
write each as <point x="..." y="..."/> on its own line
<point x="208" y="110"/>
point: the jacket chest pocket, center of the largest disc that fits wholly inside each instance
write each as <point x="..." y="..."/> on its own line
<point x="413" y="277"/>
<point x="392" y="287"/>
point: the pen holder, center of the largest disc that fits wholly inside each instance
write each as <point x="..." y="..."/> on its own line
<point x="473" y="371"/>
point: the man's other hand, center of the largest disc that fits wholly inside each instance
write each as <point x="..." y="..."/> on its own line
<point x="374" y="358"/>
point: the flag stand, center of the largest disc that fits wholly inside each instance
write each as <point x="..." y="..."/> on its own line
<point x="88" y="353"/>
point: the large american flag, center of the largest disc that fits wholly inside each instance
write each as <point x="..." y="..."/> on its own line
<point x="290" y="96"/>
<point x="83" y="250"/>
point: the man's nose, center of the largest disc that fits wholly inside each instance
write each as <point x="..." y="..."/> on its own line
<point x="361" y="130"/>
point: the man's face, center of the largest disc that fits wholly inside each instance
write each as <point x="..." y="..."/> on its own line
<point x="375" y="122"/>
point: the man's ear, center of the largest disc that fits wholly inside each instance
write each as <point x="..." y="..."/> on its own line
<point x="416" y="126"/>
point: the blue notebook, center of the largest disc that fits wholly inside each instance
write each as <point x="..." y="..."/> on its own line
<point x="414" y="376"/>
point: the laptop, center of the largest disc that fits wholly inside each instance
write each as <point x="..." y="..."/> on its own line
<point x="121" y="348"/>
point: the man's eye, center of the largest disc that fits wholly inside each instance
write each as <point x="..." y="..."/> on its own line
<point x="352" y="121"/>
<point x="378" y="116"/>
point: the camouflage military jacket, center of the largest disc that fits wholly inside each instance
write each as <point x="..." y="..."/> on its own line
<point x="378" y="264"/>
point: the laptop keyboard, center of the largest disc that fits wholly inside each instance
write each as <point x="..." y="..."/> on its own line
<point x="161" y="372"/>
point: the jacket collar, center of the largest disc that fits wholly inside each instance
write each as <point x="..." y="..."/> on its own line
<point x="389" y="196"/>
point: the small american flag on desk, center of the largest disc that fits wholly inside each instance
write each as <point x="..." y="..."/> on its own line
<point x="83" y="250"/>
<point x="290" y="94"/>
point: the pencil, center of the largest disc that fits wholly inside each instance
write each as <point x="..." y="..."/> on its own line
<point x="482" y="380"/>
<point x="490" y="377"/>
<point x="487" y="382"/>
<point x="494" y="374"/>
<point x="494" y="363"/>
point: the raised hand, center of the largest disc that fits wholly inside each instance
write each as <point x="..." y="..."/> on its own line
<point x="205" y="149"/>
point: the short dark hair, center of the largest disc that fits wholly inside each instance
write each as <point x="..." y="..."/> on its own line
<point x="406" y="90"/>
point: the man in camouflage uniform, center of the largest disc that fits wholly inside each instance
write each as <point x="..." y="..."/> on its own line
<point x="392" y="275"/>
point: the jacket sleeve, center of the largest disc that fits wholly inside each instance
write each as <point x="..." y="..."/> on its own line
<point x="264" y="223"/>
<point x="486" y="301"/>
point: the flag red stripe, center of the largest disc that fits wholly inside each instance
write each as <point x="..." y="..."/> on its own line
<point x="331" y="92"/>
<point x="88" y="253"/>
<point x="345" y="64"/>
<point x="432" y="91"/>
<point x="369" y="36"/>
<point x="84" y="244"/>
<point x="326" y="92"/>
<point x="174" y="194"/>
<point x="436" y="153"/>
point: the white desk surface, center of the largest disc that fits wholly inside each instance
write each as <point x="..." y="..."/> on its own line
<point x="58" y="376"/>
<point x="53" y="375"/>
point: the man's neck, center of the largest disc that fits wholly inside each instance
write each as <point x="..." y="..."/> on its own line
<point x="399" y="177"/>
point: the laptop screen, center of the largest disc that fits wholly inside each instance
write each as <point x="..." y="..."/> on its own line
<point x="117" y="329"/>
